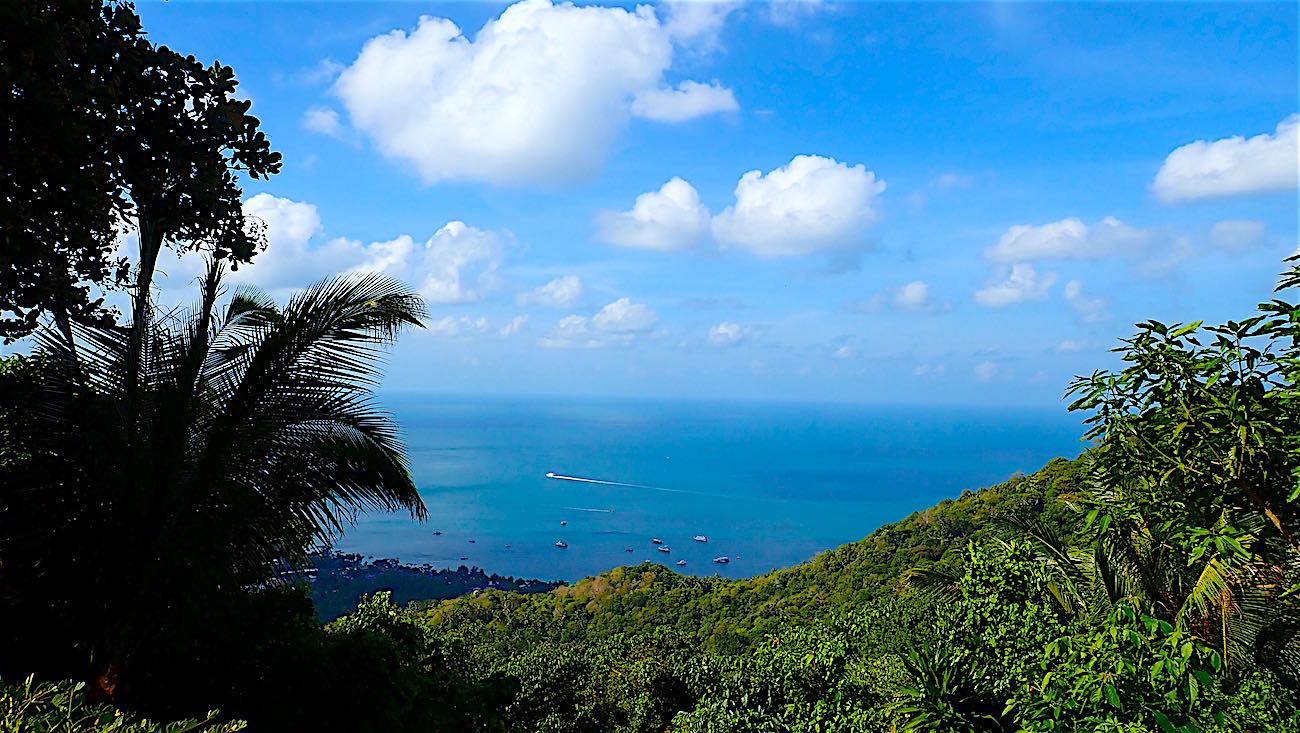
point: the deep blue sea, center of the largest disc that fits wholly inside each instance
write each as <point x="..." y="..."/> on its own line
<point x="769" y="484"/>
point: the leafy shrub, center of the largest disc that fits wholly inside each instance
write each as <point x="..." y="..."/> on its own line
<point x="47" y="707"/>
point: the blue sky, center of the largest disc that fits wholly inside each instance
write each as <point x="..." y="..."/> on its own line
<point x="939" y="203"/>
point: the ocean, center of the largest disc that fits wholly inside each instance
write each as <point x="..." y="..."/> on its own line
<point x="769" y="484"/>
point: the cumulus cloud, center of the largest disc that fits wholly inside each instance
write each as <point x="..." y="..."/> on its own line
<point x="1069" y="239"/>
<point x="690" y="99"/>
<point x="667" y="219"/>
<point x="537" y="97"/>
<point x="913" y="297"/>
<point x="1232" y="166"/>
<point x="811" y="204"/>
<point x="929" y="370"/>
<point x="1090" y="308"/>
<point x="1022" y="283"/>
<point x="513" y="326"/>
<point x="697" y="22"/>
<point x="1236" y="235"/>
<point x="458" y="264"/>
<point x="729" y="334"/>
<point x="985" y="371"/>
<point x="624" y="316"/>
<point x="562" y="292"/>
<point x="617" y="324"/>
<point x="1070" y="346"/>
<point x="323" y="120"/>
<point x="453" y="326"/>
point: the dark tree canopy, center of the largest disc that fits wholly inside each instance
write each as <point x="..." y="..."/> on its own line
<point x="104" y="131"/>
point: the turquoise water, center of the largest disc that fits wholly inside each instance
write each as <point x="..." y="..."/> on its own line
<point x="769" y="484"/>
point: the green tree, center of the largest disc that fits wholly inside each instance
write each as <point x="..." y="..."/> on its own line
<point x="191" y="462"/>
<point x="104" y="130"/>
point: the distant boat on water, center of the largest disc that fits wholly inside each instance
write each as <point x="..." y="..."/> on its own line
<point x="700" y="538"/>
<point x="681" y="562"/>
<point x="656" y="541"/>
<point x="561" y="544"/>
<point x="722" y="560"/>
<point x="664" y="548"/>
<point x="437" y="531"/>
<point x="563" y="522"/>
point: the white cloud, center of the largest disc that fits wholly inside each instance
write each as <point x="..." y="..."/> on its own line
<point x="1236" y="235"/>
<point x="323" y="120"/>
<point x="453" y="326"/>
<point x="1070" y="346"/>
<point x="617" y="324"/>
<point x="690" y="99"/>
<point x="951" y="180"/>
<point x="537" y="97"/>
<point x="697" y="22"/>
<point x="1022" y="283"/>
<point x="1232" y="166"/>
<point x="811" y="204"/>
<point x="458" y="264"/>
<point x="913" y="296"/>
<point x="843" y="352"/>
<point x="985" y="371"/>
<point x="929" y="370"/>
<point x="1069" y="239"/>
<point x="562" y="292"/>
<point x="1090" y="308"/>
<point x="573" y="332"/>
<point x="624" y="316"/>
<point x="513" y="326"/>
<point x="667" y="219"/>
<point x="728" y="334"/>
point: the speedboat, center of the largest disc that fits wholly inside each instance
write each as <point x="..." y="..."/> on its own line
<point x="437" y="531"/>
<point x="722" y="560"/>
<point x="681" y="562"/>
<point x="664" y="548"/>
<point x="563" y="523"/>
<point x="700" y="538"/>
<point x="627" y="549"/>
<point x="561" y="544"/>
<point x="550" y="474"/>
<point x="656" y="541"/>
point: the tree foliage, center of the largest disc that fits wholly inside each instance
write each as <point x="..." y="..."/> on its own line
<point x="105" y="131"/>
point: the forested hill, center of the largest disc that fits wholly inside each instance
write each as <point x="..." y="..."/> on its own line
<point x="731" y="614"/>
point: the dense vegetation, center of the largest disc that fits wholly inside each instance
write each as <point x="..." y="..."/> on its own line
<point x="160" y="478"/>
<point x="338" y="581"/>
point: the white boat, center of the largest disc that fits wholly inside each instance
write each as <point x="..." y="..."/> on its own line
<point x="700" y="538"/>
<point x="656" y="541"/>
<point x="722" y="560"/>
<point x="561" y="545"/>
<point x="681" y="562"/>
<point x="563" y="523"/>
<point x="664" y="548"/>
<point x="550" y="474"/>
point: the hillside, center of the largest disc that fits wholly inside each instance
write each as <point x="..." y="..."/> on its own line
<point x="731" y="614"/>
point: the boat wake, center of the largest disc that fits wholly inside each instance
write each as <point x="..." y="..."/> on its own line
<point x="624" y="484"/>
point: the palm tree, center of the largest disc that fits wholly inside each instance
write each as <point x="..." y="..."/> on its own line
<point x="193" y="455"/>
